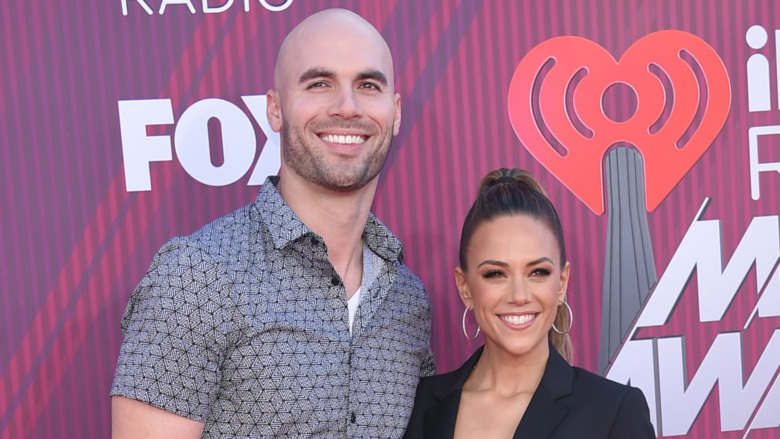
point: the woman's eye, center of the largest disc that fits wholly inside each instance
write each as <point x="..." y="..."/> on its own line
<point x="493" y="273"/>
<point x="541" y="272"/>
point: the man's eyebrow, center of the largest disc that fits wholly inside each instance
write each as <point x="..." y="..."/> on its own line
<point x="376" y="75"/>
<point x="318" y="72"/>
<point x="315" y="72"/>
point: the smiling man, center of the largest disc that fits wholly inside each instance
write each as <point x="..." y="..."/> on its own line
<point x="293" y="316"/>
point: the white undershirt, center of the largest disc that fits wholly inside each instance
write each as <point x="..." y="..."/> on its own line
<point x="352" y="305"/>
<point x="370" y="260"/>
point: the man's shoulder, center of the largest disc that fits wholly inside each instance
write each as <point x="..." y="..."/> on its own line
<point x="236" y="228"/>
<point x="408" y="275"/>
<point x="221" y="238"/>
<point x="220" y="231"/>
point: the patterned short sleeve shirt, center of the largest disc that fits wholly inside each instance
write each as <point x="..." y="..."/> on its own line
<point x="244" y="325"/>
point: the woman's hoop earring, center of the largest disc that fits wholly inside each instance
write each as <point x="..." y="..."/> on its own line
<point x="464" y="326"/>
<point x="571" y="320"/>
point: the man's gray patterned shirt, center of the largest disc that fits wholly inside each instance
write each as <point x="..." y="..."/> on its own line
<point x="243" y="325"/>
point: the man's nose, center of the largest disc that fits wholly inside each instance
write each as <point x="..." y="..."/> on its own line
<point x="346" y="104"/>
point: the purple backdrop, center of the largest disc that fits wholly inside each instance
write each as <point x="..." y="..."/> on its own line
<point x="76" y="241"/>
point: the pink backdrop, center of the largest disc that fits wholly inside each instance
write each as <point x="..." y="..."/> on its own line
<point x="93" y="91"/>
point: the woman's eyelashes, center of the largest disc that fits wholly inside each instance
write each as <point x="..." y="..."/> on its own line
<point x="493" y="274"/>
<point x="541" y="272"/>
<point x="537" y="272"/>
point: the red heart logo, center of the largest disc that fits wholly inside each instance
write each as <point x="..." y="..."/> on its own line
<point x="556" y="109"/>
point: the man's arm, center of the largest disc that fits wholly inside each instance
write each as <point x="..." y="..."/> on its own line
<point x="167" y="375"/>
<point x="136" y="419"/>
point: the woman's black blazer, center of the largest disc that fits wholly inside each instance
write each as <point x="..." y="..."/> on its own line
<point x="570" y="402"/>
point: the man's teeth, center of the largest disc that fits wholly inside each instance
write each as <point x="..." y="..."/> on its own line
<point x="518" y="320"/>
<point x="346" y="140"/>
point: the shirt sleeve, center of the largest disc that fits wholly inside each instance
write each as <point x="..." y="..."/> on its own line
<point x="428" y="365"/>
<point x="175" y="333"/>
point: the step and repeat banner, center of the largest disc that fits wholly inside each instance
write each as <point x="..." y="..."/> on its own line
<point x="653" y="125"/>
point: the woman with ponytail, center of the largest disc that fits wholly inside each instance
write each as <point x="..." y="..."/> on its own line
<point x="513" y="276"/>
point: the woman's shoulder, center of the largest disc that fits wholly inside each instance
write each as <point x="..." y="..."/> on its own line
<point x="607" y="396"/>
<point x="564" y="380"/>
<point x="600" y="398"/>
<point x="587" y="380"/>
<point x="444" y="383"/>
<point x="439" y="381"/>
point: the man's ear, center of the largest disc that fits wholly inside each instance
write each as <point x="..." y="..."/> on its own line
<point x="463" y="288"/>
<point x="397" y="120"/>
<point x="273" y="110"/>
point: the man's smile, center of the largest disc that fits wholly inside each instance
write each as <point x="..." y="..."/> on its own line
<point x="345" y="139"/>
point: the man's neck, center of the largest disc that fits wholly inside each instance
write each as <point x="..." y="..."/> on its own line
<point x="336" y="216"/>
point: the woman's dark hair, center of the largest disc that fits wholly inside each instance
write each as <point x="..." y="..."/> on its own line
<point x="508" y="192"/>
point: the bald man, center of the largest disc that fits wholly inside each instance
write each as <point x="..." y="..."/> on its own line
<point x="293" y="316"/>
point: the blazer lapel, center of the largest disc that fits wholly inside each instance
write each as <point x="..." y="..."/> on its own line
<point x="545" y="412"/>
<point x="440" y="419"/>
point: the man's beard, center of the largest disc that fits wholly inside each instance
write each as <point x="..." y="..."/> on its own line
<point x="330" y="173"/>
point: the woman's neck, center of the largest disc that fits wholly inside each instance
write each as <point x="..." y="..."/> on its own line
<point x="507" y="373"/>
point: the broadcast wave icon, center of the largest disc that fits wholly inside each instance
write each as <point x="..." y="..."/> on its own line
<point x="643" y="122"/>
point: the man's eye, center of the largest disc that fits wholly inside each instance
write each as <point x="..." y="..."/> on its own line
<point x="318" y="84"/>
<point x="369" y="86"/>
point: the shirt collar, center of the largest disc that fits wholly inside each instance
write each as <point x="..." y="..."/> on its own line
<point x="284" y="226"/>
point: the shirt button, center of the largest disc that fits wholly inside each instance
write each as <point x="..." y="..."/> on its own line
<point x="353" y="419"/>
<point x="335" y="281"/>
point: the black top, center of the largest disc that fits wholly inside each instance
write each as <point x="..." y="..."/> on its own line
<point x="570" y="402"/>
